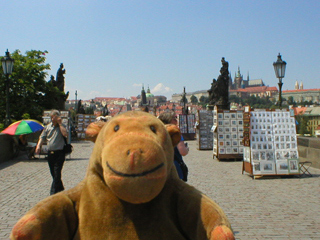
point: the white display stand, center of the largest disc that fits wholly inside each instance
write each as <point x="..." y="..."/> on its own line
<point x="270" y="143"/>
<point x="227" y="134"/>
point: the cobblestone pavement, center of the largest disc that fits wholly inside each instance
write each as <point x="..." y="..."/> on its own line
<point x="266" y="208"/>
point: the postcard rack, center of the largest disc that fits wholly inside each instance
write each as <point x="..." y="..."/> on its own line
<point x="203" y="128"/>
<point x="227" y="134"/>
<point x="186" y="125"/>
<point x="82" y="122"/>
<point x="270" y="143"/>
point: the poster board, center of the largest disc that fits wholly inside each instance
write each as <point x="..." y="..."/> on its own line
<point x="227" y="134"/>
<point x="82" y="122"/>
<point x="203" y="128"/>
<point x="270" y="136"/>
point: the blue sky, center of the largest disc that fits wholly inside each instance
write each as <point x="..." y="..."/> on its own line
<point x="111" y="48"/>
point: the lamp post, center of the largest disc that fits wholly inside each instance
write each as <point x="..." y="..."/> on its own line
<point x="280" y="69"/>
<point x="7" y="65"/>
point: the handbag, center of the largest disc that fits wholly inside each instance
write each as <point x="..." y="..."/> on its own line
<point x="67" y="147"/>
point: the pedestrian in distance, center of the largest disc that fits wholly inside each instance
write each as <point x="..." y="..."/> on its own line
<point x="54" y="134"/>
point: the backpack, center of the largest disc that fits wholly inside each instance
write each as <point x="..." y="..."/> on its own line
<point x="181" y="164"/>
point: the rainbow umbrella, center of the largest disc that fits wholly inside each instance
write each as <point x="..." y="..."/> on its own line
<point x="25" y="126"/>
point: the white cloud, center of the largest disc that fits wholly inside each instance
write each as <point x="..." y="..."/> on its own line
<point x="161" y="89"/>
<point x="137" y="85"/>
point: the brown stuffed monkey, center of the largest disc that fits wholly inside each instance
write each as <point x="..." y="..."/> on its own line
<point x="131" y="191"/>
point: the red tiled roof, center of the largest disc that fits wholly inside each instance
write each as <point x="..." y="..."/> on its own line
<point x="299" y="110"/>
<point x="255" y="89"/>
<point x="303" y="90"/>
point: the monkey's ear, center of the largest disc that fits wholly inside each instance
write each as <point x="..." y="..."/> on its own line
<point x="93" y="130"/>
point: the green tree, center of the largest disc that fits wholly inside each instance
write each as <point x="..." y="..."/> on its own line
<point x="302" y="125"/>
<point x="29" y="92"/>
<point x="194" y="99"/>
<point x="203" y="99"/>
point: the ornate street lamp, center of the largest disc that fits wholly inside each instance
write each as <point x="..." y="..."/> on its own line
<point x="280" y="69"/>
<point x="7" y="66"/>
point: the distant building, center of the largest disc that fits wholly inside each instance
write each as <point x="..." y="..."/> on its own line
<point x="301" y="95"/>
<point x="312" y="114"/>
<point x="240" y="83"/>
<point x="261" y="92"/>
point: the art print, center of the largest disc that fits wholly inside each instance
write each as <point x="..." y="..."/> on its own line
<point x="220" y="129"/>
<point x="226" y="115"/>
<point x="229" y="150"/>
<point x="241" y="150"/>
<point x="294" y="154"/>
<point x="222" y="150"/>
<point x="282" y="167"/>
<point x="233" y="115"/>
<point x="262" y="155"/>
<point x="267" y="167"/>
<point x="255" y="156"/>
<point x="234" y="122"/>
<point x="235" y="150"/>
<point x="256" y="167"/>
<point x="293" y="165"/>
<point x="220" y="115"/>
<point x="269" y="156"/>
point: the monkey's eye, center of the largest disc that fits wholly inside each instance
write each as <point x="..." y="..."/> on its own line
<point x="116" y="128"/>
<point x="153" y="129"/>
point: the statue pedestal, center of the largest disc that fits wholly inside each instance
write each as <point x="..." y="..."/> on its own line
<point x="210" y="107"/>
<point x="224" y="106"/>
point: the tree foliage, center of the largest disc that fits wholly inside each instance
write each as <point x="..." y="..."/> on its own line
<point x="253" y="101"/>
<point x="29" y="92"/>
<point x="302" y="124"/>
<point x="193" y="99"/>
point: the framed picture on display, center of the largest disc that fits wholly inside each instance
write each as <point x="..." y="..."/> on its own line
<point x="228" y="150"/>
<point x="235" y="150"/>
<point x="282" y="167"/>
<point x="240" y="150"/>
<point x="255" y="155"/>
<point x="267" y="167"/>
<point x="262" y="155"/>
<point x="293" y="165"/>
<point x="226" y="116"/>
<point x="270" y="156"/>
<point x="256" y="168"/>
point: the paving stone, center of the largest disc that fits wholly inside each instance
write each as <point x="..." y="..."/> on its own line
<point x="265" y="208"/>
